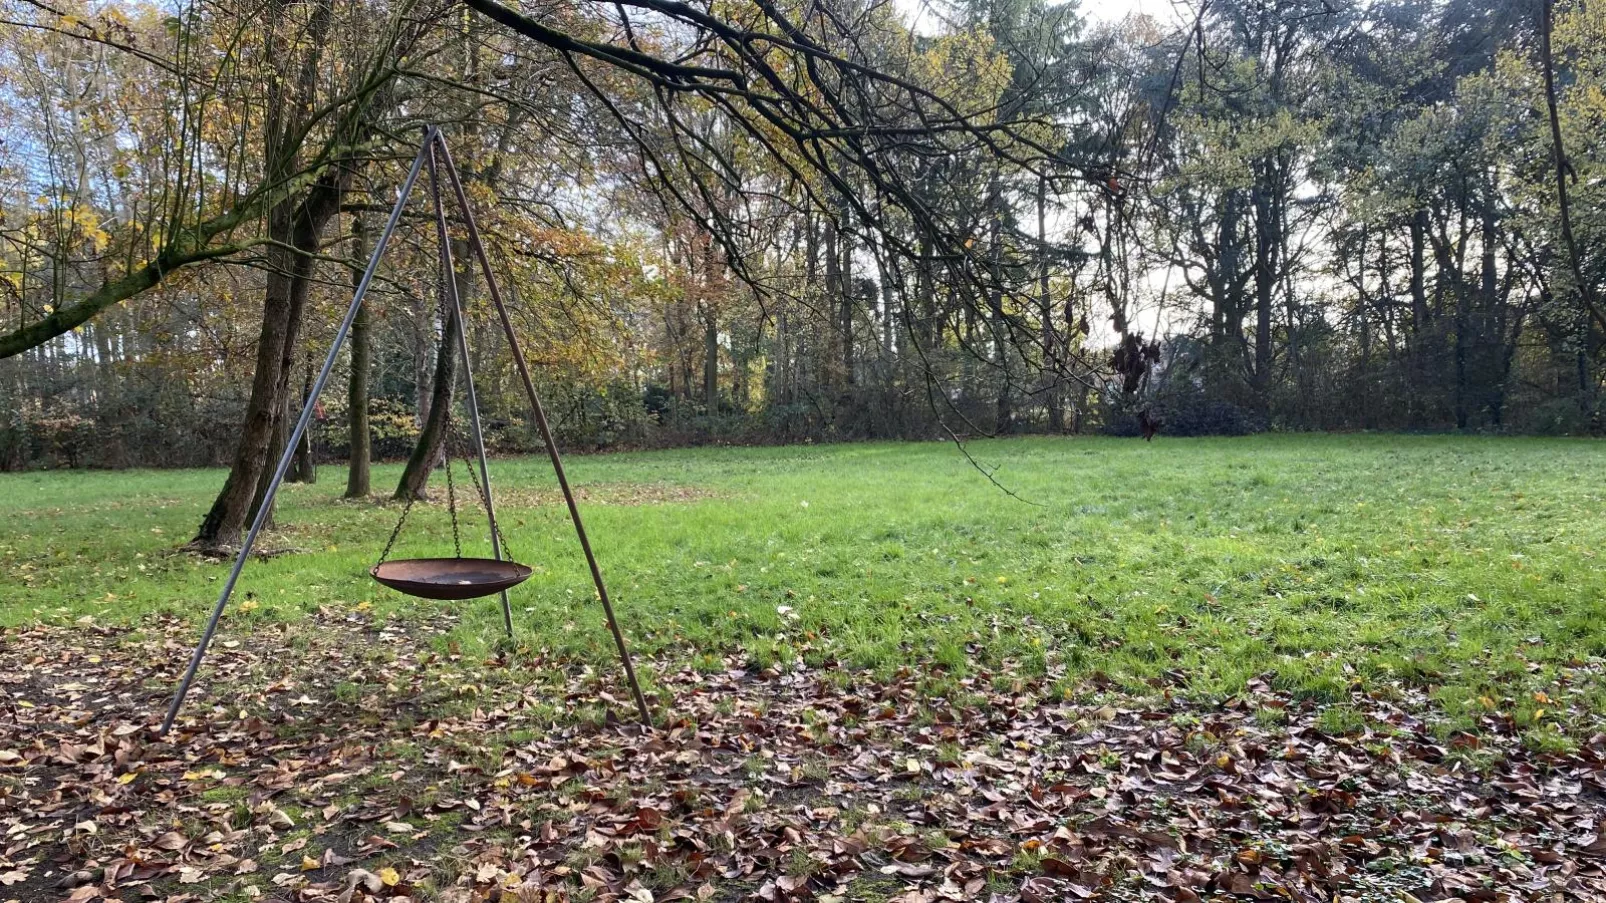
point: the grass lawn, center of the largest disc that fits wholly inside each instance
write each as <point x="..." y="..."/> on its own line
<point x="1350" y="668"/>
<point x="1475" y="568"/>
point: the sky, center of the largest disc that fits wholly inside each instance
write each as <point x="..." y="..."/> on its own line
<point x="1095" y="10"/>
<point x="1115" y="10"/>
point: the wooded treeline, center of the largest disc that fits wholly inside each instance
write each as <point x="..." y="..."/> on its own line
<point x="799" y="221"/>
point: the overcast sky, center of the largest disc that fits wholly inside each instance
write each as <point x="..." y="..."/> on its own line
<point x="1111" y="10"/>
<point x="1105" y="10"/>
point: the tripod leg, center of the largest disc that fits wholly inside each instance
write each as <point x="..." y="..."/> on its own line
<point x="456" y="304"/>
<point x="545" y="429"/>
<point x="295" y="438"/>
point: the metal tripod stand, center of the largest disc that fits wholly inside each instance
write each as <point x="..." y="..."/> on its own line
<point x="433" y="154"/>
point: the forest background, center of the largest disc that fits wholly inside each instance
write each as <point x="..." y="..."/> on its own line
<point x="1268" y="214"/>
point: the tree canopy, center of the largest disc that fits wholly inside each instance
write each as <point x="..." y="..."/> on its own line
<point x="807" y="219"/>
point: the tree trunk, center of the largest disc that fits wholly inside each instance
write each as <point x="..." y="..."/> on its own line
<point x="1363" y="310"/>
<point x="1045" y="302"/>
<point x="298" y="229"/>
<point x="845" y="246"/>
<point x="422" y="336"/>
<point x="358" y="472"/>
<point x="1586" y="383"/>
<point x="1226" y="313"/>
<point x="427" y="451"/>
<point x="781" y="367"/>
<point x="967" y="343"/>
<point x="1486" y="319"/>
<point x="1418" y="344"/>
<point x="264" y="411"/>
<point x="303" y="469"/>
<point x="710" y="360"/>
<point x="889" y="310"/>
<point x="1265" y="283"/>
<point x="1004" y="406"/>
<point x="1460" y="351"/>
<point x="288" y="281"/>
<point x="431" y="439"/>
<point x="833" y="291"/>
<point x="925" y="298"/>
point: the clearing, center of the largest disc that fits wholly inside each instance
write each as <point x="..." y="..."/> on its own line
<point x="1284" y="667"/>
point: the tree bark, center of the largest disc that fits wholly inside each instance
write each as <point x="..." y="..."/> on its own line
<point x="925" y="298"/>
<point x="422" y="336"/>
<point x="834" y="290"/>
<point x="1004" y="406"/>
<point x="303" y="469"/>
<point x="889" y="309"/>
<point x="1488" y="317"/>
<point x="845" y="299"/>
<point x="1419" y="337"/>
<point x="358" y="471"/>
<point x="225" y="520"/>
<point x="1045" y="302"/>
<point x="1462" y="338"/>
<point x="427" y="451"/>
<point x="710" y="360"/>
<point x="1363" y="309"/>
<point x="1265" y="283"/>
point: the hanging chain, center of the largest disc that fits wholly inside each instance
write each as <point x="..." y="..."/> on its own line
<point x="470" y="458"/>
<point x="447" y="441"/>
<point x="391" y="543"/>
<point x="469" y="452"/>
<point x="451" y="505"/>
<point x="485" y="502"/>
<point x="451" y="495"/>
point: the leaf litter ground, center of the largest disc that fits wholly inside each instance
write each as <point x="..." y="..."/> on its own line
<point x="349" y="759"/>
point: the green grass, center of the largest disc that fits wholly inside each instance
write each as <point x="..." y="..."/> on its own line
<point x="1473" y="569"/>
